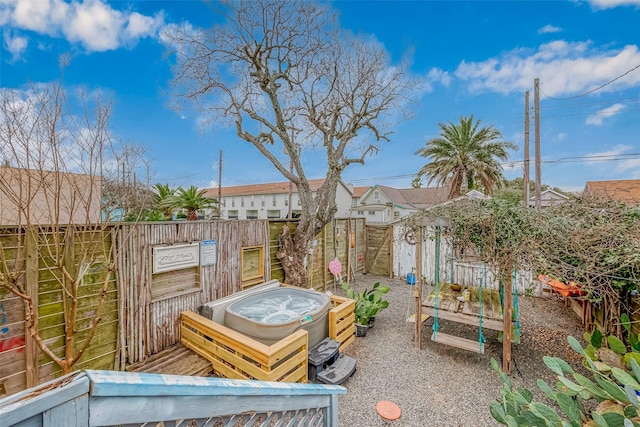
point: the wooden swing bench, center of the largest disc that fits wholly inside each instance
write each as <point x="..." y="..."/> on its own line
<point x="447" y="306"/>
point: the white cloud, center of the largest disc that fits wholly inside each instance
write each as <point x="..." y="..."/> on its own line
<point x="564" y="69"/>
<point x="610" y="4"/>
<point x="598" y="117"/>
<point x="15" y="44"/>
<point x="549" y="29"/>
<point x="440" y="76"/>
<point x="93" y="23"/>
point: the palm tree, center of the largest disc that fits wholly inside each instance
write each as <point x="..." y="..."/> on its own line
<point x="164" y="199"/>
<point x="464" y="156"/>
<point x="193" y="200"/>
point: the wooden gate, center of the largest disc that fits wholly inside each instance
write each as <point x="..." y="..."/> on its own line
<point x="379" y="250"/>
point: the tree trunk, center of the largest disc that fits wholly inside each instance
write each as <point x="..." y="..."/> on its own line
<point x="292" y="252"/>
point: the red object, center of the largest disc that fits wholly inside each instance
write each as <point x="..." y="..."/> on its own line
<point x="388" y="410"/>
<point x="570" y="290"/>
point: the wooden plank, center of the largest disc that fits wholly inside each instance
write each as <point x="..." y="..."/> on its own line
<point x="493" y="324"/>
<point x="19" y="408"/>
<point x="458" y="342"/>
<point x="75" y="412"/>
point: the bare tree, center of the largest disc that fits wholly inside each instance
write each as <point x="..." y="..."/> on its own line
<point x="126" y="184"/>
<point x="50" y="211"/>
<point x="298" y="88"/>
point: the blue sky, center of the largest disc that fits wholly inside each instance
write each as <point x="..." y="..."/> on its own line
<point x="478" y="58"/>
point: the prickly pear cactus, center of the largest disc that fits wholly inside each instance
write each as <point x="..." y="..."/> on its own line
<point x="611" y="391"/>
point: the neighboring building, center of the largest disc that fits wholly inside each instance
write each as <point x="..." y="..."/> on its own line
<point x="382" y="204"/>
<point x="548" y="198"/>
<point x="42" y="197"/>
<point x="272" y="200"/>
<point x="626" y="190"/>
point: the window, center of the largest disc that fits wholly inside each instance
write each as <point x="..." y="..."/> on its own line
<point x="286" y="202"/>
<point x="253" y="199"/>
<point x="360" y="212"/>
<point x="252" y="265"/>
<point x="354" y="201"/>
<point x="224" y="202"/>
<point x="376" y="195"/>
<point x="232" y="214"/>
<point x="274" y="200"/>
<point x="233" y="202"/>
<point x="242" y="202"/>
<point x="299" y="202"/>
<point x="273" y="214"/>
<point x="396" y="215"/>
<point x="252" y="214"/>
<point x="372" y="213"/>
<point x="262" y="202"/>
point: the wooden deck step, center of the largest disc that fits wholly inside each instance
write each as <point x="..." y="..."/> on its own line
<point x="175" y="360"/>
<point x="339" y="371"/>
<point x="459" y="342"/>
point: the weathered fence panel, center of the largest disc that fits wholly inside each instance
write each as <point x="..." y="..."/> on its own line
<point x="379" y="250"/>
<point x="151" y="319"/>
<point x="343" y="238"/>
<point x="22" y="364"/>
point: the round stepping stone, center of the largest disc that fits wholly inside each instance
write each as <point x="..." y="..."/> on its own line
<point x="388" y="410"/>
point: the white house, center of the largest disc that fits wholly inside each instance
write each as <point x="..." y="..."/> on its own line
<point x="274" y="200"/>
<point x="548" y="197"/>
<point x="382" y="204"/>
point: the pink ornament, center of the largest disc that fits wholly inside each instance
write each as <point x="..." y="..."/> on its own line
<point x="335" y="267"/>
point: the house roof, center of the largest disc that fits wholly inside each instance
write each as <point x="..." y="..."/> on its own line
<point x="622" y="190"/>
<point x="265" y="188"/>
<point x="360" y="191"/>
<point x="417" y="198"/>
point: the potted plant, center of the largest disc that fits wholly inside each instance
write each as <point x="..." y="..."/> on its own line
<point x="369" y="302"/>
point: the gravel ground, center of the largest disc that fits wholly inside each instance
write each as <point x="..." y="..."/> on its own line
<point x="441" y="385"/>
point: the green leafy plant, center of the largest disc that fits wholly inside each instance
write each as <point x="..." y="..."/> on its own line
<point x="606" y="401"/>
<point x="607" y="351"/>
<point x="369" y="302"/>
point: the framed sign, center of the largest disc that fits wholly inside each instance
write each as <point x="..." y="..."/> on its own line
<point x="175" y="257"/>
<point x="208" y="252"/>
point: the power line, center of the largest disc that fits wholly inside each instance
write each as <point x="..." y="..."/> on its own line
<point x="570" y="159"/>
<point x="592" y="90"/>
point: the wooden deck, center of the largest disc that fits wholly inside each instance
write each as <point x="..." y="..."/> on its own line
<point x="174" y="360"/>
<point x="449" y="307"/>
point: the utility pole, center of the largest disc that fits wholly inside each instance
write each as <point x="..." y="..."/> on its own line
<point x="220" y="186"/>
<point x="536" y="106"/>
<point x="526" y="149"/>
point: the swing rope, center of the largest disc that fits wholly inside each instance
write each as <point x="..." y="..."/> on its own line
<point x="481" y="282"/>
<point x="436" y="324"/>
<point x="516" y="304"/>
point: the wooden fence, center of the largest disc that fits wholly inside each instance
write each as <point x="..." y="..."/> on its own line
<point x="22" y="364"/>
<point x="344" y="238"/>
<point x="151" y="324"/>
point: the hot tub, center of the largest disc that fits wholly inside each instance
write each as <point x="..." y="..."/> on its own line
<point x="273" y="314"/>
